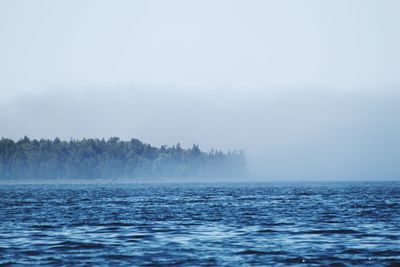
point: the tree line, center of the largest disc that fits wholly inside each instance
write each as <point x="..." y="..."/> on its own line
<point x="112" y="158"/>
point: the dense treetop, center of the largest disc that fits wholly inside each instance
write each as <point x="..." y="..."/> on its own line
<point x="112" y="158"/>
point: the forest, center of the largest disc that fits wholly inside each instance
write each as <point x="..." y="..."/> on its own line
<point x="113" y="159"/>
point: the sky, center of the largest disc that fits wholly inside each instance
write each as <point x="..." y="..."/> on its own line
<point x="309" y="89"/>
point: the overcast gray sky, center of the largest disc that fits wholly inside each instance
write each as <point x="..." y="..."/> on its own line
<point x="309" y="89"/>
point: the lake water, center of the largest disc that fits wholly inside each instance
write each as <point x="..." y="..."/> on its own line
<point x="313" y="224"/>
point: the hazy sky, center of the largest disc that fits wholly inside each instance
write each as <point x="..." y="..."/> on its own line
<point x="309" y="89"/>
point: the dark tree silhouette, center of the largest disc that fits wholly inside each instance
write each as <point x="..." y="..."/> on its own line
<point x="112" y="158"/>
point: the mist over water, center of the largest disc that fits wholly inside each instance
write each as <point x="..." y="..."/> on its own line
<point x="286" y="134"/>
<point x="310" y="90"/>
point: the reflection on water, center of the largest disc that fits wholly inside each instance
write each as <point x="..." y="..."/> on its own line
<point x="323" y="224"/>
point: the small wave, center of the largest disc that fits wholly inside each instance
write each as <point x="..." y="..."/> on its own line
<point x="119" y="257"/>
<point x="330" y="221"/>
<point x="294" y="260"/>
<point x="8" y="263"/>
<point x="331" y="232"/>
<point x="258" y="252"/>
<point x="76" y="245"/>
<point x="134" y="238"/>
<point x="277" y="224"/>
<point x="117" y="224"/>
<point x="161" y="230"/>
<point x="33" y="253"/>
<point x="386" y="253"/>
<point x="43" y="226"/>
<point x="354" y="251"/>
<point x="267" y="231"/>
<point x="305" y="193"/>
<point x="23" y="203"/>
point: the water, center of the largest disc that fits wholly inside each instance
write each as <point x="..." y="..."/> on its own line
<point x="311" y="224"/>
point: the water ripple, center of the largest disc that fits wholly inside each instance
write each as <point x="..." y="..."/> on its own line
<point x="316" y="224"/>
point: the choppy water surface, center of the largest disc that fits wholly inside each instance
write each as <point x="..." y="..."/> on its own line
<point x="336" y="224"/>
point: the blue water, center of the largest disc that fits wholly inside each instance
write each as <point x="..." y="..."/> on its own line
<point x="313" y="224"/>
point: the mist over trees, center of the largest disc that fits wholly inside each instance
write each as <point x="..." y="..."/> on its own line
<point x="112" y="158"/>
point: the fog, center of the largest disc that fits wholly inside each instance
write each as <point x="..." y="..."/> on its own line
<point x="309" y="89"/>
<point x="305" y="134"/>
